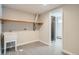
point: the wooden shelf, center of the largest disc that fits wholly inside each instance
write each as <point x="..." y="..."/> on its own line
<point x="25" y="21"/>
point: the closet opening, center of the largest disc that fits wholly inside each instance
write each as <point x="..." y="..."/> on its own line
<point x="56" y="31"/>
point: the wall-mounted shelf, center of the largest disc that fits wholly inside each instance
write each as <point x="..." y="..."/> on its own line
<point x="25" y="21"/>
<point x="25" y="24"/>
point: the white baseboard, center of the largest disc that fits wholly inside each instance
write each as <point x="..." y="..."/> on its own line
<point x="44" y="42"/>
<point x="67" y="52"/>
<point x="27" y="43"/>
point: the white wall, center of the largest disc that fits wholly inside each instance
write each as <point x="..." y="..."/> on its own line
<point x="71" y="28"/>
<point x="44" y="30"/>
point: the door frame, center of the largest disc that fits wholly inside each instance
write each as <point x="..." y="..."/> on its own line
<point x="62" y="15"/>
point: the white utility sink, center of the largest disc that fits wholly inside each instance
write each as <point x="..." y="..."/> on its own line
<point x="10" y="36"/>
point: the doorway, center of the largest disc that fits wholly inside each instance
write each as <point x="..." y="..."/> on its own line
<point x="56" y="31"/>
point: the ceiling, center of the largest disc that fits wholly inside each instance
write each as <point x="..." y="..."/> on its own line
<point x="32" y="8"/>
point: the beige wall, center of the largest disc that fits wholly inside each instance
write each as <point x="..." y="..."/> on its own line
<point x="16" y="26"/>
<point x="25" y="37"/>
<point x="16" y="15"/>
<point x="44" y="30"/>
<point x="71" y="28"/>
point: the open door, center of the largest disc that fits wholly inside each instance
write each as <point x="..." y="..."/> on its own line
<point x="56" y="32"/>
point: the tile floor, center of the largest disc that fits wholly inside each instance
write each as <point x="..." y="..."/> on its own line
<point x="38" y="48"/>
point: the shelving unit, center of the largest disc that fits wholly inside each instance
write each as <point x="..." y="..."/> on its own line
<point x="36" y="25"/>
<point x="25" y="21"/>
